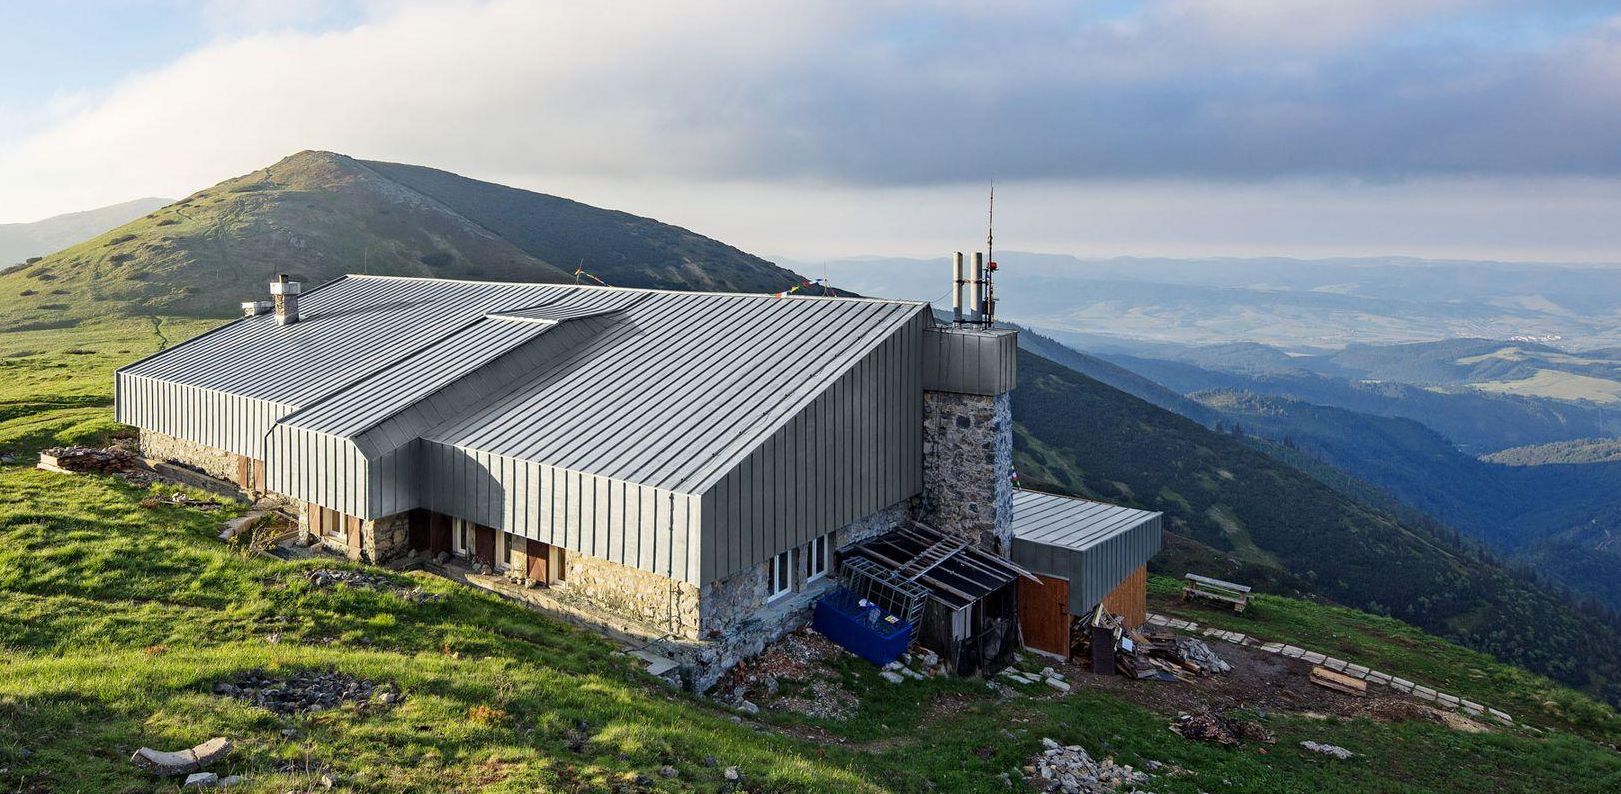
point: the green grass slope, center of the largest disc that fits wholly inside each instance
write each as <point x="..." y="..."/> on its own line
<point x="622" y="249"/>
<point x="1092" y="440"/>
<point x="319" y="215"/>
<point x="117" y="620"/>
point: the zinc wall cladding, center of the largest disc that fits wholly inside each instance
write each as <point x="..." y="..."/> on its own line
<point x="1093" y="545"/>
<point x="788" y="418"/>
<point x="970" y="360"/>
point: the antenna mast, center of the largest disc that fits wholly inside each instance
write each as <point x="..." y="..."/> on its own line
<point x="990" y="265"/>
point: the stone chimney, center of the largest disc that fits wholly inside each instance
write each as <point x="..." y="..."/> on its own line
<point x="285" y="293"/>
<point x="969" y="372"/>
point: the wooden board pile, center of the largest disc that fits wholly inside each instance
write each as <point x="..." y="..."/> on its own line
<point x="1145" y="652"/>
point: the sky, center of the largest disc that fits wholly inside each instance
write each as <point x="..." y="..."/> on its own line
<point x="806" y="130"/>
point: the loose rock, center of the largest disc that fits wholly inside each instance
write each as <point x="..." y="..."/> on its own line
<point x="1331" y="750"/>
<point x="303" y="691"/>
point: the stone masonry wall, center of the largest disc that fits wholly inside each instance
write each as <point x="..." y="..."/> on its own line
<point x="646" y="597"/>
<point x="215" y="463"/>
<point x="386" y="538"/>
<point x="968" y="467"/>
<point x="739" y="621"/>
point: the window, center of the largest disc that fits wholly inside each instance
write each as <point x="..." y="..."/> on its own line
<point x="331" y="523"/>
<point x="458" y="537"/>
<point x="816" y="559"/>
<point x="782" y="574"/>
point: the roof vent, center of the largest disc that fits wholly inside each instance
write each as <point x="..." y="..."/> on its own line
<point x="256" y="308"/>
<point x="286" y="295"/>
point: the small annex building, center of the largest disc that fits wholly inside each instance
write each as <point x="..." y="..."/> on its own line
<point x="691" y="462"/>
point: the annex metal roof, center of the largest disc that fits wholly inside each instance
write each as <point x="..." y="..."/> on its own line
<point x="1093" y="545"/>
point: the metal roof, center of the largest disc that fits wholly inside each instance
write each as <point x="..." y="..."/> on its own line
<point x="1093" y="545"/>
<point x="671" y="391"/>
<point x="1073" y="523"/>
<point x="681" y="388"/>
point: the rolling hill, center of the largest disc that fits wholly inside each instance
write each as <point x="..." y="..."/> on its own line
<point x="318" y="215"/>
<point x="22" y="241"/>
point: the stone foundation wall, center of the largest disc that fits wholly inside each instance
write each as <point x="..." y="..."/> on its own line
<point x="214" y="462"/>
<point x="636" y="594"/>
<point x="386" y="538"/>
<point x="968" y="467"/>
<point x="738" y="619"/>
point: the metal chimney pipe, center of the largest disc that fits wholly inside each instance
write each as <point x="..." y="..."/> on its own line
<point x="976" y="291"/>
<point x="286" y="295"/>
<point x="956" y="287"/>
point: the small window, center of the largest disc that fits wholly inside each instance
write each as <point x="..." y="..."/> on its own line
<point x="782" y="574"/>
<point x="458" y="538"/>
<point x="331" y="523"/>
<point x="816" y="559"/>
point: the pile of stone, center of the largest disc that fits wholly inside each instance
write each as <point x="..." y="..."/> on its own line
<point x="801" y="660"/>
<point x="1215" y="729"/>
<point x="305" y="691"/>
<point x="79" y="460"/>
<point x="1047" y="676"/>
<point x="921" y="663"/>
<point x="1070" y="770"/>
<point x="324" y="578"/>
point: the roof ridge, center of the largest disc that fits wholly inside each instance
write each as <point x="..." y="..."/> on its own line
<point x="606" y="288"/>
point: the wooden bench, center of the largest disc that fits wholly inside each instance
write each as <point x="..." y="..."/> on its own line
<point x="1233" y="595"/>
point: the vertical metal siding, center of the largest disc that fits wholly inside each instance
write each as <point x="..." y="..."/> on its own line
<point x="969" y="360"/>
<point x="853" y="450"/>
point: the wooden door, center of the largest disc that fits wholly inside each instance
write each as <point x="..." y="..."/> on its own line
<point x="539" y="561"/>
<point x="438" y="533"/>
<point x="484" y="544"/>
<point x="351" y="525"/>
<point x="1044" y="614"/>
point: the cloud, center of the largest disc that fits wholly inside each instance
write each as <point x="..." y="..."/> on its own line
<point x="875" y="94"/>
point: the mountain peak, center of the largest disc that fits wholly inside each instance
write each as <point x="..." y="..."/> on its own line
<point x="318" y="215"/>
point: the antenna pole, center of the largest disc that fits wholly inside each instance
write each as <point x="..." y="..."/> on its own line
<point x="990" y="265"/>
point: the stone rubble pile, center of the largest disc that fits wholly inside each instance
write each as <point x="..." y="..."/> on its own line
<point x="1047" y="676"/>
<point x="800" y="659"/>
<point x="111" y="460"/>
<point x="324" y="578"/>
<point x="1071" y="770"/>
<point x="305" y="691"/>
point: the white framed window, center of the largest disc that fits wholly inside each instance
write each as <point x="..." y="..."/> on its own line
<point x="817" y="559"/>
<point x="458" y="537"/>
<point x="782" y="574"/>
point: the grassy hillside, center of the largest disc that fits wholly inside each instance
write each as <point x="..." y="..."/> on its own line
<point x="117" y="622"/>
<point x="1092" y="440"/>
<point x="318" y="215"/>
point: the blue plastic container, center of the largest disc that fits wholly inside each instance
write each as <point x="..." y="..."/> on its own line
<point x="863" y="631"/>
